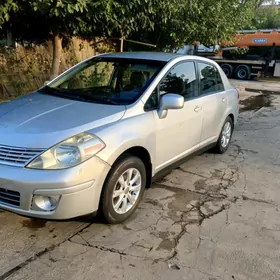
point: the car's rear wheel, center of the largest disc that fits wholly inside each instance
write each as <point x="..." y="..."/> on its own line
<point x="225" y="136"/>
<point x="123" y="189"/>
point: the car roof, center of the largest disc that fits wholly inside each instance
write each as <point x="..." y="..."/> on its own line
<point x="157" y="56"/>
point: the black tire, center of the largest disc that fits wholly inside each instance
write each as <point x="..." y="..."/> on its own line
<point x="243" y="72"/>
<point x="119" y="168"/>
<point x="228" y="70"/>
<point x="220" y="148"/>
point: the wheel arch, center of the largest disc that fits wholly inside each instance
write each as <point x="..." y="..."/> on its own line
<point x="143" y="154"/>
<point x="230" y="114"/>
<point x="232" y="118"/>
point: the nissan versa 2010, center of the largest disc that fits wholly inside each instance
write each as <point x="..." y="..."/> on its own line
<point x="96" y="136"/>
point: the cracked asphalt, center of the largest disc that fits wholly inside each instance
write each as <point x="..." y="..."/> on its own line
<point x="216" y="217"/>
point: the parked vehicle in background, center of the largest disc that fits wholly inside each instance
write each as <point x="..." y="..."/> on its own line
<point x="262" y="56"/>
<point x="96" y="136"/>
<point x="259" y="55"/>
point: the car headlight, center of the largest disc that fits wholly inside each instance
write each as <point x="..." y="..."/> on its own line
<point x="68" y="153"/>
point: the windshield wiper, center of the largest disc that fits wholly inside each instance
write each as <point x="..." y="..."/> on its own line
<point x="77" y="94"/>
<point x="95" y="98"/>
<point x="60" y="93"/>
<point x="98" y="99"/>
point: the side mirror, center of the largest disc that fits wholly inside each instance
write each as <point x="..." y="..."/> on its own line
<point x="170" y="101"/>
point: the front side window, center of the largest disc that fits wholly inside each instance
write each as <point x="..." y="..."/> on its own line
<point x="153" y="101"/>
<point x="181" y="79"/>
<point x="115" y="81"/>
<point x="210" y="79"/>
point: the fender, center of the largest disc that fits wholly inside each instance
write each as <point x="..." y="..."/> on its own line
<point x="131" y="131"/>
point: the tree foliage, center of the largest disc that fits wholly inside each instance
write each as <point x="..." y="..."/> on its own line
<point x="171" y="21"/>
<point x="179" y="22"/>
<point x="165" y="23"/>
<point x="6" y="8"/>
<point x="122" y="17"/>
<point x="36" y="19"/>
<point x="41" y="20"/>
<point x="267" y="18"/>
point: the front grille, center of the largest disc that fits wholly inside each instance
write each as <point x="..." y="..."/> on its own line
<point x="17" y="156"/>
<point x="9" y="197"/>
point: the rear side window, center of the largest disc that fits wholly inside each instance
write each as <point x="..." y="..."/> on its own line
<point x="220" y="85"/>
<point x="181" y="79"/>
<point x="210" y="79"/>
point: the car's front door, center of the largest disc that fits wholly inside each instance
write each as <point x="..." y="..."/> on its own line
<point x="178" y="134"/>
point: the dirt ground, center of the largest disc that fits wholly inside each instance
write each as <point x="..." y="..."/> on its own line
<point x="217" y="217"/>
<point x="258" y="86"/>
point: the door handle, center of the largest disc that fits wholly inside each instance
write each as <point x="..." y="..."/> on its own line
<point x="223" y="99"/>
<point x="197" y="108"/>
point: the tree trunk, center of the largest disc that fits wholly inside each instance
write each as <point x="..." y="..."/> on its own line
<point x="57" y="51"/>
<point x="10" y="39"/>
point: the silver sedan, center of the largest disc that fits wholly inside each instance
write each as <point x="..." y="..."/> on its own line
<point x="96" y="136"/>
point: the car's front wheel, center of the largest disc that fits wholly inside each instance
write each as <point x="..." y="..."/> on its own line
<point x="123" y="189"/>
<point x="225" y="136"/>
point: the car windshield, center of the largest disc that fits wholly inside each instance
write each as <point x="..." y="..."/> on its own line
<point x="106" y="80"/>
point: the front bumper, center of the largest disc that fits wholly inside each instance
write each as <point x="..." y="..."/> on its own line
<point x="78" y="189"/>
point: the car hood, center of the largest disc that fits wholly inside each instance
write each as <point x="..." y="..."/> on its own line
<point x="40" y="121"/>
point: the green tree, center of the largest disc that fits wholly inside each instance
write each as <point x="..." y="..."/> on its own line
<point x="267" y="18"/>
<point x="166" y="23"/>
<point x="180" y="22"/>
<point x="40" y="20"/>
<point x="120" y="18"/>
<point x="7" y="6"/>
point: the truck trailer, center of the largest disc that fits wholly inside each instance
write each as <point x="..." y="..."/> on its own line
<point x="253" y="53"/>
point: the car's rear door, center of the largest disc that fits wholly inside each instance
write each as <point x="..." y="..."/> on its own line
<point x="213" y="101"/>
